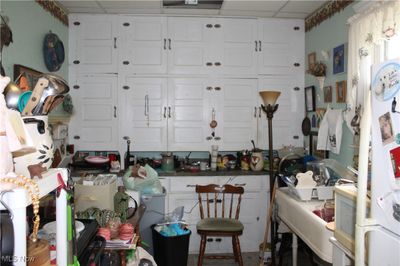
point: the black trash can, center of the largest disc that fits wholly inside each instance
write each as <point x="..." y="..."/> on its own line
<point x="170" y="250"/>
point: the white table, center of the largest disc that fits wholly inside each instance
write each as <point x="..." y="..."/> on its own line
<point x="303" y="223"/>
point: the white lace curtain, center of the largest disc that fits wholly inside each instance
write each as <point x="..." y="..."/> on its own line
<point x="367" y="32"/>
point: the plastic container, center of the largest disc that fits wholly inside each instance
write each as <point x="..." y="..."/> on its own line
<point x="170" y="251"/>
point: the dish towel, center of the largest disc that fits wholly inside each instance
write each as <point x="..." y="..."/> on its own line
<point x="330" y="131"/>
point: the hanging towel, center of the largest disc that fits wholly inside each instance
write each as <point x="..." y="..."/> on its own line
<point x="330" y="131"/>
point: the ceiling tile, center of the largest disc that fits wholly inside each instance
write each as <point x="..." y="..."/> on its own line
<point x="303" y="6"/>
<point x="291" y="15"/>
<point x="252" y="5"/>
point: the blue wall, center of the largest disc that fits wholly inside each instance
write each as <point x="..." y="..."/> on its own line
<point x="326" y="36"/>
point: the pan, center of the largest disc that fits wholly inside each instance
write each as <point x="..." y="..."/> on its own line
<point x="306" y="126"/>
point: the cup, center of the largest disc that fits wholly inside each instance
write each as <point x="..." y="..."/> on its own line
<point x="203" y="166"/>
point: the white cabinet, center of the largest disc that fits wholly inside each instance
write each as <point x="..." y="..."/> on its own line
<point x="143" y="45"/>
<point x="94" y="124"/>
<point x="281" y="47"/>
<point x="253" y="209"/>
<point x="286" y="123"/>
<point x="93" y="44"/>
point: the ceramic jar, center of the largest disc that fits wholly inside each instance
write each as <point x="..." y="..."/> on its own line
<point x="256" y="161"/>
<point x="37" y="126"/>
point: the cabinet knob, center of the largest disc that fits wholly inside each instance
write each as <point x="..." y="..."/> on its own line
<point x="126" y="24"/>
<point x="76" y="87"/>
<point x="125" y="137"/>
<point x="125" y="62"/>
<point x="296" y="28"/>
<point x="209" y="138"/>
<point x="217" y="63"/>
<point x="296" y="88"/>
<point x="217" y="26"/>
<point x="208" y="64"/>
<point x="209" y="25"/>
<point x="217" y="88"/>
<point x="126" y="87"/>
<point x="295" y="137"/>
<point x="210" y="240"/>
<point x="296" y="64"/>
<point x="218" y="239"/>
<point x="209" y="88"/>
<point x="76" y="62"/>
<point x="77" y="137"/>
<point x="77" y="23"/>
<point x="217" y="138"/>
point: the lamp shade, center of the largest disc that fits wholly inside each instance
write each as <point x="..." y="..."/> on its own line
<point x="269" y="97"/>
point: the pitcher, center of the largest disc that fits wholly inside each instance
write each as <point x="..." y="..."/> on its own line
<point x="256" y="161"/>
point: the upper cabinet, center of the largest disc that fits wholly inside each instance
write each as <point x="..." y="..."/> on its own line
<point x="281" y="47"/>
<point x="93" y="43"/>
<point x="143" y="45"/>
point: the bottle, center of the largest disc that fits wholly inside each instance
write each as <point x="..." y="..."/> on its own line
<point x="127" y="154"/>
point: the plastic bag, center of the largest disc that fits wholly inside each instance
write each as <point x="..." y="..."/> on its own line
<point x="148" y="185"/>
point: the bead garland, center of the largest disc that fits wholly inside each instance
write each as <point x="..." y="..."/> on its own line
<point x="33" y="190"/>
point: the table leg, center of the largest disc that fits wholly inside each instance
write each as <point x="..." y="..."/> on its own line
<point x="294" y="249"/>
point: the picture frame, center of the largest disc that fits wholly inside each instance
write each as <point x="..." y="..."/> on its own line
<point x="341" y="89"/>
<point x="31" y="75"/>
<point x="328" y="94"/>
<point x="309" y="93"/>
<point x="312" y="58"/>
<point x="319" y="154"/>
<point x="338" y="59"/>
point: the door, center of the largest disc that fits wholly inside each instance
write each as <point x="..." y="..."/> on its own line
<point x="281" y="47"/>
<point x="144" y="45"/>
<point x="188" y="115"/>
<point x="95" y="123"/>
<point x="286" y="123"/>
<point x="144" y="101"/>
<point x="94" y="44"/>
<point x="187" y="43"/>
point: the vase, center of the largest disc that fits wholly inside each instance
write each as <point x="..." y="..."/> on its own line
<point x="38" y="128"/>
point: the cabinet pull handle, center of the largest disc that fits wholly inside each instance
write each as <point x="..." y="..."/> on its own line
<point x="296" y="64"/>
<point x="296" y="88"/>
<point x="115" y="42"/>
<point x="126" y="24"/>
<point x="256" y="49"/>
<point x="208" y="64"/>
<point x="217" y="88"/>
<point x="217" y="26"/>
<point x="76" y="87"/>
<point x="77" y="137"/>
<point x="125" y="87"/>
<point x="255" y="111"/>
<point x="125" y="137"/>
<point x="210" y="240"/>
<point x="240" y="185"/>
<point x="209" y="25"/>
<point x="77" y="23"/>
<point x="165" y="44"/>
<point x="218" y="239"/>
<point x="125" y="62"/>
<point x="259" y="111"/>
<point x="209" y="88"/>
<point x="296" y="28"/>
<point x="169" y="44"/>
<point x="76" y="62"/>
<point x="217" y="63"/>
<point x="190" y="185"/>
<point x="115" y="111"/>
<point x="217" y="138"/>
<point x="209" y="138"/>
<point x="169" y="111"/>
<point x="259" y="46"/>
<point x="145" y="105"/>
<point x="165" y="112"/>
<point x="211" y="201"/>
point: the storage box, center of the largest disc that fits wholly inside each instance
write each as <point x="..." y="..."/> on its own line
<point x="320" y="192"/>
<point x="97" y="196"/>
<point x="345" y="215"/>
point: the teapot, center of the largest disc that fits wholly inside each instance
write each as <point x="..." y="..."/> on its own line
<point x="256" y="161"/>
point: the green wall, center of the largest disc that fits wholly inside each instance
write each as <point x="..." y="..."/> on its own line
<point x="29" y="23"/>
<point x="326" y="36"/>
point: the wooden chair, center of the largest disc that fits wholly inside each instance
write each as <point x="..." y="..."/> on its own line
<point x="219" y="217"/>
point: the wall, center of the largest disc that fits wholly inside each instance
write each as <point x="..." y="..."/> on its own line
<point x="326" y="36"/>
<point x="29" y="23"/>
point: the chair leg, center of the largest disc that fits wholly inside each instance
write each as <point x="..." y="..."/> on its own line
<point x="238" y="252"/>
<point x="234" y="249"/>
<point x="202" y="250"/>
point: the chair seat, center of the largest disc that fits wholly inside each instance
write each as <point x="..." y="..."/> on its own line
<point x="219" y="224"/>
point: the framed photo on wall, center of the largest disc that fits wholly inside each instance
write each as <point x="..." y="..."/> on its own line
<point x="310" y="98"/>
<point x="320" y="154"/>
<point x="338" y="59"/>
<point x="341" y="91"/>
<point x="328" y="94"/>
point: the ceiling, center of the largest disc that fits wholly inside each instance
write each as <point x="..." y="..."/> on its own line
<point x="251" y="8"/>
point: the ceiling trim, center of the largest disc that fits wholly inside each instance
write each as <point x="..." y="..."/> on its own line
<point x="57" y="11"/>
<point x="326" y="11"/>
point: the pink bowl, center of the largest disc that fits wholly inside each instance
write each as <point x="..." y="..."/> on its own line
<point x="96" y="159"/>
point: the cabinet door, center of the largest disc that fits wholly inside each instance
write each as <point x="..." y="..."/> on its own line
<point x="282" y="46"/>
<point x="144" y="45"/>
<point x="95" y="123"/>
<point x="286" y="123"/>
<point x="237" y="124"/>
<point x="188" y="115"/>
<point x="93" y="42"/>
<point x="144" y="101"/>
<point x="188" y="41"/>
<point x="236" y="48"/>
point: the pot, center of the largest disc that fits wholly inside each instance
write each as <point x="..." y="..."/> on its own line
<point x="167" y="162"/>
<point x="38" y="128"/>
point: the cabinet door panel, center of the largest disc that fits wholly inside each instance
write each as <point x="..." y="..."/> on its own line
<point x="145" y="103"/>
<point x="95" y="125"/>
<point x="144" y="49"/>
<point x="93" y="44"/>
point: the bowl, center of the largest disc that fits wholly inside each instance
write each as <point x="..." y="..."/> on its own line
<point x="97" y="159"/>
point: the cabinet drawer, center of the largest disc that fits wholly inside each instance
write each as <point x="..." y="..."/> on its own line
<point x="187" y="184"/>
<point x="249" y="183"/>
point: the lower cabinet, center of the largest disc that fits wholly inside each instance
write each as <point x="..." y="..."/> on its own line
<point x="254" y="206"/>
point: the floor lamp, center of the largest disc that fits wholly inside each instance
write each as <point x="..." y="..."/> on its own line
<point x="269" y="98"/>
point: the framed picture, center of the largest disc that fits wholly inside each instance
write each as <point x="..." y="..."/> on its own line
<point x="328" y="94"/>
<point x="338" y="59"/>
<point x="310" y="98"/>
<point x="341" y="91"/>
<point x="320" y="154"/>
<point x="26" y="77"/>
<point x="311" y="59"/>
